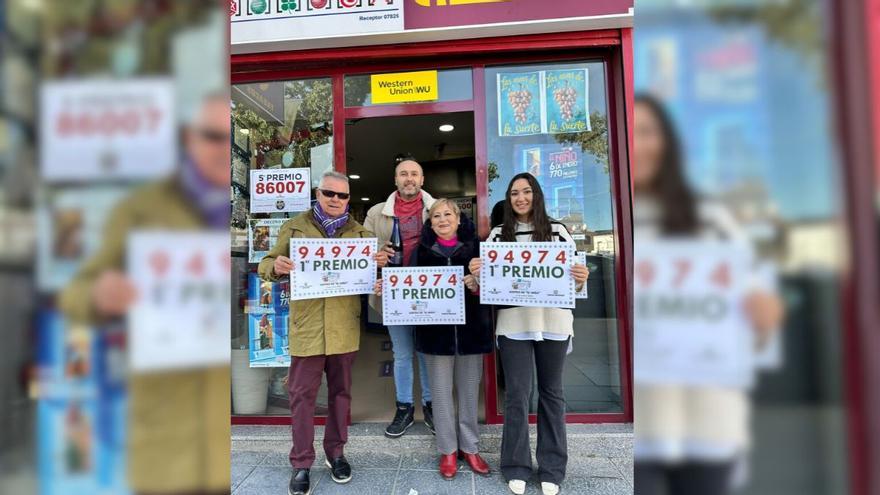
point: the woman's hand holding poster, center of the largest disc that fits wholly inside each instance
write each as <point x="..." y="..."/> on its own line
<point x="527" y="274"/>
<point x="423" y="295"/>
<point x="690" y="327"/>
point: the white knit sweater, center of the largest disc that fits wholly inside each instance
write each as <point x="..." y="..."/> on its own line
<point x="676" y="422"/>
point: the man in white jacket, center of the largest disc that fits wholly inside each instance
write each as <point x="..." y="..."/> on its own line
<point x="410" y="204"/>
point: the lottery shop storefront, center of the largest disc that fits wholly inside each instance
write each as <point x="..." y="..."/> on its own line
<point x="477" y="92"/>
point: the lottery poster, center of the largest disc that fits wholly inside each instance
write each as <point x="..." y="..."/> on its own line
<point x="267" y="297"/>
<point x="423" y="295"/>
<point x="71" y="222"/>
<point x="267" y="340"/>
<point x="527" y="274"/>
<point x="182" y="318"/>
<point x="282" y="349"/>
<point x="564" y="173"/>
<point x="332" y="267"/>
<point x="262" y="235"/>
<point x="566" y="93"/>
<point x="69" y="452"/>
<point x="117" y="129"/>
<point x="690" y="328"/>
<point x="521" y="109"/>
<point x="582" y="259"/>
<point x="275" y="190"/>
<point x="67" y="358"/>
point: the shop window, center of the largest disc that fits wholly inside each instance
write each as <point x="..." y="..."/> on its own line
<point x="277" y="124"/>
<point x="552" y="120"/>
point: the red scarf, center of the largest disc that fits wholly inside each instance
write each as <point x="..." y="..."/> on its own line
<point x="410" y="215"/>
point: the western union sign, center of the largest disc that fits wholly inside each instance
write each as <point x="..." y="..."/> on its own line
<point x="404" y="87"/>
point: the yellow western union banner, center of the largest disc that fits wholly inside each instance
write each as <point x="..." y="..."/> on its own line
<point x="404" y="87"/>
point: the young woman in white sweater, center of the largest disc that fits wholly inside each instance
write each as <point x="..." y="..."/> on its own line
<point x="527" y="335"/>
<point x="688" y="439"/>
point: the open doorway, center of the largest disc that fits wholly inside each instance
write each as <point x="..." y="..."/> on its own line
<point x="448" y="160"/>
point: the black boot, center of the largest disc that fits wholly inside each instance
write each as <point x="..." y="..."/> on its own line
<point x="299" y="482"/>
<point x="403" y="419"/>
<point x="428" y="412"/>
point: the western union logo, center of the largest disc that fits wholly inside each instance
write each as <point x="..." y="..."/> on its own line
<point x="404" y="87"/>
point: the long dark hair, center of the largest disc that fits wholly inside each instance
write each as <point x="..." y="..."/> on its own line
<point x="677" y="199"/>
<point x="541" y="228"/>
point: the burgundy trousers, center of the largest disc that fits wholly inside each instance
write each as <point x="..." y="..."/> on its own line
<point x="303" y="382"/>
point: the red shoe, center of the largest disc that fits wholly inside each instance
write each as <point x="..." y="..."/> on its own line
<point x="448" y="466"/>
<point x="477" y="464"/>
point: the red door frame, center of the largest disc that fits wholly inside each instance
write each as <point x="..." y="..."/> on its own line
<point x="613" y="47"/>
<point x="854" y="39"/>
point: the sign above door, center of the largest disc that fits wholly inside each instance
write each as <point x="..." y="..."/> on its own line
<point x="254" y="21"/>
<point x="404" y="87"/>
<point x="281" y="25"/>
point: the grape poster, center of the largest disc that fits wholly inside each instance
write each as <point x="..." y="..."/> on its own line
<point x="521" y="109"/>
<point x="565" y="93"/>
<point x="551" y="101"/>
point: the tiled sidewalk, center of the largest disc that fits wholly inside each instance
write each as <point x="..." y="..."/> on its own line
<point x="600" y="462"/>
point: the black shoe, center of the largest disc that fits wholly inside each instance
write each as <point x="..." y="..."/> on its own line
<point x="340" y="469"/>
<point x="428" y="412"/>
<point x="299" y="482"/>
<point x="403" y="419"/>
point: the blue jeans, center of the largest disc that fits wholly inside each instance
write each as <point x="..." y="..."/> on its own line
<point x="402" y="344"/>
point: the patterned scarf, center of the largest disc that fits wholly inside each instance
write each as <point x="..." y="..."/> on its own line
<point x="329" y="224"/>
<point x="211" y="200"/>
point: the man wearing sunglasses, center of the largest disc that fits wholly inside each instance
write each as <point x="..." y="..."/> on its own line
<point x="179" y="418"/>
<point x="324" y="336"/>
<point x="410" y="204"/>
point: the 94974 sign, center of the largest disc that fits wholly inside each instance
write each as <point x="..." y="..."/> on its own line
<point x="690" y="327"/>
<point x="332" y="267"/>
<point x="527" y="274"/>
<point x="423" y="295"/>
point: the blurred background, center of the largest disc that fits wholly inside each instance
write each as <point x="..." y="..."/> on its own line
<point x="102" y="100"/>
<point x="776" y="111"/>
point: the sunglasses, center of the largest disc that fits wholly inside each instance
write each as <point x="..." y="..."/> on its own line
<point x="332" y="194"/>
<point x="216" y="137"/>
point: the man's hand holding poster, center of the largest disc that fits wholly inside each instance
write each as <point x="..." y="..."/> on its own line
<point x="332" y="267"/>
<point x="181" y="317"/>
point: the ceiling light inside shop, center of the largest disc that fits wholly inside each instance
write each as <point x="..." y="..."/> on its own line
<point x="447" y="128"/>
<point x="245" y="131"/>
<point x="354" y="176"/>
<point x="365" y="199"/>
